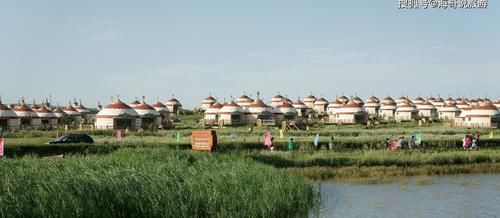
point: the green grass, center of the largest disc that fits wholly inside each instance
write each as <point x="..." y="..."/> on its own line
<point x="150" y="183"/>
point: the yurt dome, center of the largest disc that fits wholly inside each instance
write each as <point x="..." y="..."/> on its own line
<point x="158" y="106"/>
<point x="244" y="101"/>
<point x="173" y="102"/>
<point x="431" y="100"/>
<point x="449" y="100"/>
<point x="117" y="108"/>
<point x="134" y="103"/>
<point x="343" y="99"/>
<point x="351" y="108"/>
<point x="358" y="100"/>
<point x="299" y="104"/>
<point x="473" y="102"/>
<point x="401" y="100"/>
<point x="71" y="111"/>
<point x="287" y="109"/>
<point x="23" y="111"/>
<point x="449" y="108"/>
<point x="426" y="105"/>
<point x="58" y="112"/>
<point x="258" y="107"/>
<point x="374" y="98"/>
<point x="214" y="108"/>
<point x="44" y="112"/>
<point x="277" y="99"/>
<point x="320" y="102"/>
<point x="287" y="101"/>
<point x="33" y="106"/>
<point x="462" y="105"/>
<point x="82" y="109"/>
<point x="209" y="100"/>
<point x="388" y="104"/>
<point x="406" y="107"/>
<point x="6" y="112"/>
<point x="438" y="102"/>
<point x="371" y="103"/>
<point x="418" y="100"/>
<point x="145" y="110"/>
<point x="309" y="101"/>
<point x="230" y="108"/>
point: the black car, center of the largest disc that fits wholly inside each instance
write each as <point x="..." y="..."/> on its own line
<point x="73" y="138"/>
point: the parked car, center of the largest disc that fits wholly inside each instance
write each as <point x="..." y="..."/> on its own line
<point x="73" y="138"/>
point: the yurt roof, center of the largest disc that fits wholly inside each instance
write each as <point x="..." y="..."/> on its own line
<point x="483" y="110"/>
<point x="214" y="108"/>
<point x="299" y="104"/>
<point x="449" y="108"/>
<point x="335" y="103"/>
<point x="310" y="98"/>
<point x="374" y="98"/>
<point x="230" y="107"/>
<point x="321" y="101"/>
<point x="145" y="109"/>
<point x="6" y="112"/>
<point x="277" y="98"/>
<point x="351" y="104"/>
<point x="417" y="99"/>
<point x="343" y="98"/>
<point x="426" y="105"/>
<point x="24" y="111"/>
<point x="351" y="107"/>
<point x="406" y="107"/>
<point x="216" y="105"/>
<point x="44" y="112"/>
<point x="244" y="98"/>
<point x="357" y="99"/>
<point x="160" y="107"/>
<point x="135" y="102"/>
<point x="115" y="109"/>
<point x="258" y="103"/>
<point x="209" y="98"/>
<point x="173" y="101"/>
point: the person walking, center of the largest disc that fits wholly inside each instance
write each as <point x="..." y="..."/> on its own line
<point x="331" y="144"/>
<point x="411" y="142"/>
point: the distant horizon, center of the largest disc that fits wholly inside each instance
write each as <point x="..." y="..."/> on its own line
<point x="92" y="50"/>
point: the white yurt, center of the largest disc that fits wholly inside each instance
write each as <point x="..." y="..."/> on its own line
<point x="449" y="112"/>
<point x="244" y="101"/>
<point x="406" y="112"/>
<point x="343" y="99"/>
<point x="374" y="98"/>
<point x="34" y="106"/>
<point x="231" y="114"/>
<point x="150" y="117"/>
<point x="82" y="109"/>
<point x="72" y="112"/>
<point x="118" y="115"/>
<point x="387" y="108"/>
<point x="164" y="112"/>
<point x="427" y="110"/>
<point x="449" y="100"/>
<point x="174" y="105"/>
<point x="260" y="111"/>
<point x="302" y="109"/>
<point x="8" y="118"/>
<point x="47" y="118"/>
<point x="484" y="115"/>
<point x="320" y="105"/>
<point x="207" y="102"/>
<point x="332" y="109"/>
<point x="462" y="105"/>
<point x="372" y="107"/>
<point x="212" y="113"/>
<point x="27" y="117"/>
<point x="277" y="101"/>
<point x="351" y="113"/>
<point x="309" y="101"/>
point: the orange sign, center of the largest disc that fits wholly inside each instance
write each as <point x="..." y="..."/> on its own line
<point x="205" y="140"/>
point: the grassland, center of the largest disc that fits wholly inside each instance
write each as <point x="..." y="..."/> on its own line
<point x="150" y="183"/>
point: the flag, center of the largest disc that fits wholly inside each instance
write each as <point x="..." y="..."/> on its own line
<point x="281" y="134"/>
<point x="418" y="139"/>
<point x="177" y="136"/>
<point x="316" y="139"/>
<point x="118" y="135"/>
<point x="491" y="135"/>
<point x="267" y="139"/>
<point x="1" y="146"/>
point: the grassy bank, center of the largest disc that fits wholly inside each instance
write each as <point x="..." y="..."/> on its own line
<point x="150" y="183"/>
<point x="381" y="174"/>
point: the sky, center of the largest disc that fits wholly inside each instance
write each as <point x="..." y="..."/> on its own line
<point x="92" y="50"/>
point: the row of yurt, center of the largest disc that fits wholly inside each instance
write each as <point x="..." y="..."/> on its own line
<point x="136" y="115"/>
<point x="484" y="115"/>
<point x="23" y="117"/>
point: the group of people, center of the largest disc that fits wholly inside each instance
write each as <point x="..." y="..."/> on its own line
<point x="415" y="141"/>
<point x="471" y="141"/>
<point x="270" y="144"/>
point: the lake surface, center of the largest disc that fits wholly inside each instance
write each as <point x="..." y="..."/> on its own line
<point x="439" y="196"/>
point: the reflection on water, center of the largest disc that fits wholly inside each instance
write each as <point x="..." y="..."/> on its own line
<point x="441" y="196"/>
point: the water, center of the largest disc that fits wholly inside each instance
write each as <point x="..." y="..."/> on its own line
<point x="440" y="196"/>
